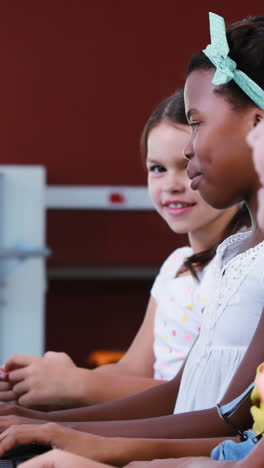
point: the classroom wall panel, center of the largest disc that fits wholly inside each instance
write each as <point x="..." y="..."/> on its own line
<point x="79" y="78"/>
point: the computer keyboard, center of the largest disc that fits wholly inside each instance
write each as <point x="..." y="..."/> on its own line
<point x="20" y="453"/>
<point x="7" y="464"/>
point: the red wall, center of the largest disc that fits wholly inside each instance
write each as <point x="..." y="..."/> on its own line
<point x="78" y="79"/>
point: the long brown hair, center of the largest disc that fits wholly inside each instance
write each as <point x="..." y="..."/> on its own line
<point x="172" y="110"/>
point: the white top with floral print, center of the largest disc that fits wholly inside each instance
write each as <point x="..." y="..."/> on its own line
<point x="180" y="301"/>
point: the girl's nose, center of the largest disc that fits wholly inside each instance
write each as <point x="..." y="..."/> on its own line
<point x="188" y="151"/>
<point x="174" y="183"/>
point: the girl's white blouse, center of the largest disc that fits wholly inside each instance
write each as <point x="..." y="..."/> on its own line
<point x="178" y="314"/>
<point x="235" y="304"/>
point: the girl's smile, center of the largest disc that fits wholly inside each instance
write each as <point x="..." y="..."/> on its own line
<point x="178" y="208"/>
<point x="169" y="186"/>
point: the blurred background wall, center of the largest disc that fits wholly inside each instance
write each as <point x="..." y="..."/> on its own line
<point x="78" y="80"/>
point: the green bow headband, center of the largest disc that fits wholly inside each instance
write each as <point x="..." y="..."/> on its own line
<point x="226" y="68"/>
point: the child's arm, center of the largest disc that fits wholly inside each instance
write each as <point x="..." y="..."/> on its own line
<point x="140" y="415"/>
<point x="186" y="462"/>
<point x="58" y="459"/>
<point x="54" y="382"/>
<point x="159" y="401"/>
<point x="117" y="451"/>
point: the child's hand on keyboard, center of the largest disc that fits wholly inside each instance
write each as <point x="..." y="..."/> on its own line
<point x="56" y="436"/>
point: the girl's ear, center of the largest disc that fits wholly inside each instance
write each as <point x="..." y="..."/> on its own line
<point x="258" y="117"/>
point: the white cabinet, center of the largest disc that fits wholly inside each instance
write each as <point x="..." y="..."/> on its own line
<point x="22" y="260"/>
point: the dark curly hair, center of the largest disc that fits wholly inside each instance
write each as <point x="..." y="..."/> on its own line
<point x="246" y="42"/>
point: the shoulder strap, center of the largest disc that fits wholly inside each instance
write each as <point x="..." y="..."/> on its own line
<point x="226" y="411"/>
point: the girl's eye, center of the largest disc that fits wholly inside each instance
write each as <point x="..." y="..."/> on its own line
<point x="195" y="126"/>
<point x="156" y="169"/>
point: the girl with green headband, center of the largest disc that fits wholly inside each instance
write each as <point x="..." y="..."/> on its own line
<point x="221" y="168"/>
